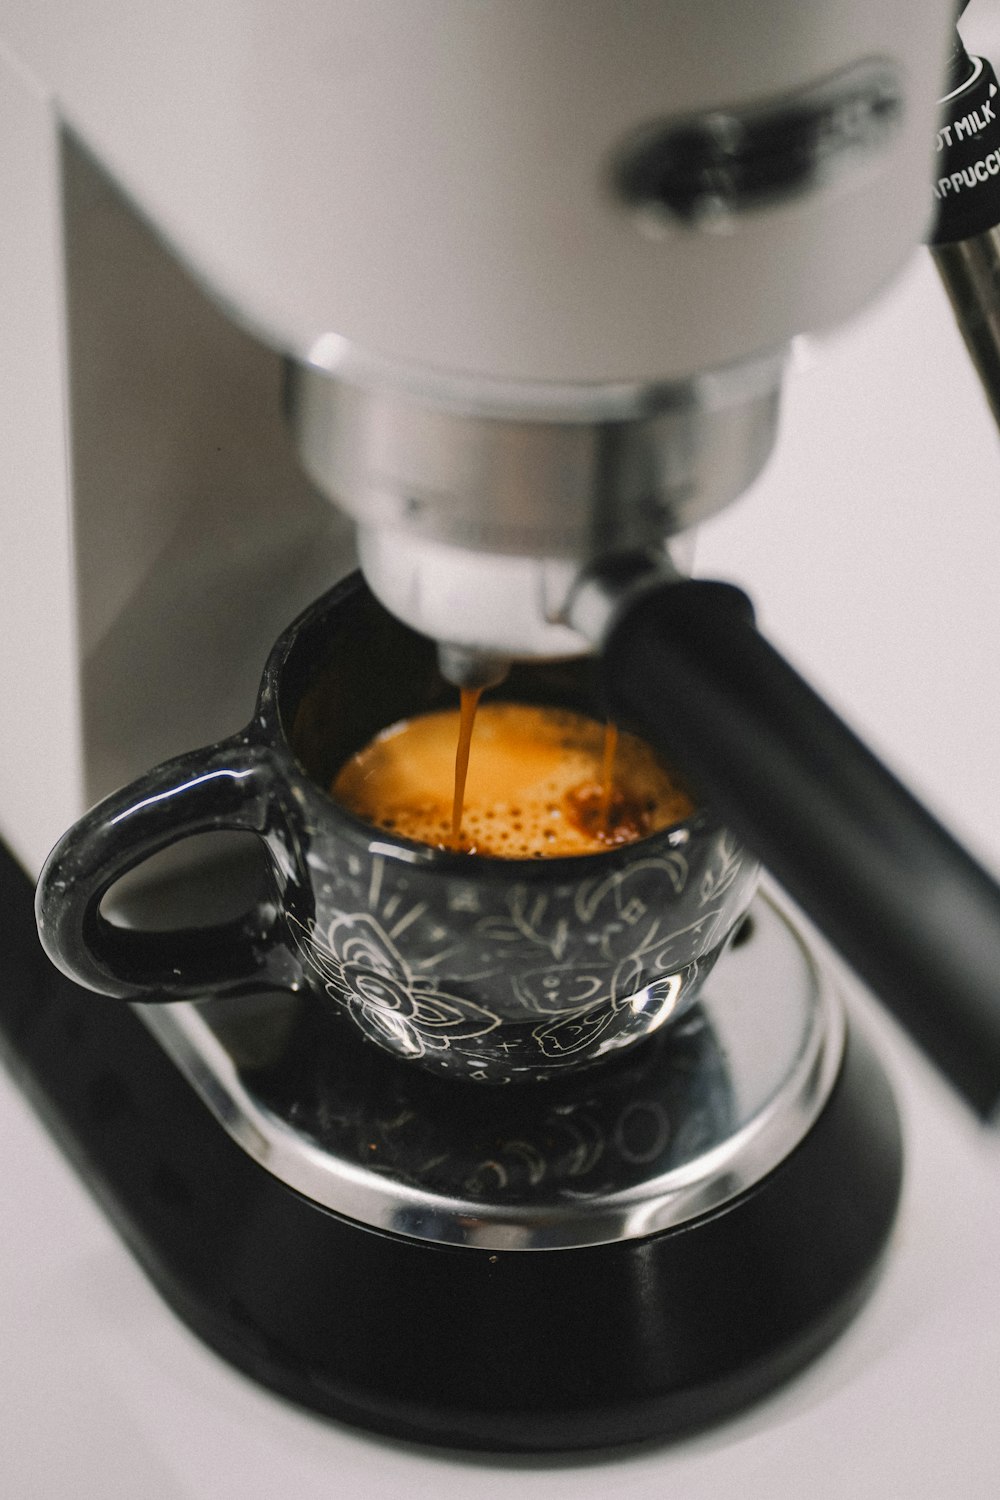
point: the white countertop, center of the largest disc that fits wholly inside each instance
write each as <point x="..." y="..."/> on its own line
<point x="872" y="549"/>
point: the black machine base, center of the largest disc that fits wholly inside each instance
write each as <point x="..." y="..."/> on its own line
<point x="470" y="1348"/>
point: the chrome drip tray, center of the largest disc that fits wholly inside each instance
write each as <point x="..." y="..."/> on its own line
<point x="682" y="1124"/>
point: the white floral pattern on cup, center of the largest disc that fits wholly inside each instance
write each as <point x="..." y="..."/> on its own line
<point x="564" y="973"/>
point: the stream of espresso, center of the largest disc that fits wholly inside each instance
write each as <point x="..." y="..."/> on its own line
<point x="469" y="702"/>
<point x="608" y="770"/>
<point x="467" y="718"/>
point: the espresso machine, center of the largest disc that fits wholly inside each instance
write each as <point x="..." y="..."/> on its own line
<point x="516" y="287"/>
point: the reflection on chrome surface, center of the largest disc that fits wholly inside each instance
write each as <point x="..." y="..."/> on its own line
<point x="648" y="1140"/>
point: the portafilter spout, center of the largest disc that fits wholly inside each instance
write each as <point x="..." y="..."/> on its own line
<point x="908" y="908"/>
<point x="479" y="503"/>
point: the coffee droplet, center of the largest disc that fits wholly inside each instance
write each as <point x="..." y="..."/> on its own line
<point x="536" y="784"/>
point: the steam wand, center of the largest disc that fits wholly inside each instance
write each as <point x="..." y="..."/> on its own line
<point x="902" y="901"/>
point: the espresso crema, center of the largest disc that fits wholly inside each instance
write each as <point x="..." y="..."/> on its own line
<point x="540" y="784"/>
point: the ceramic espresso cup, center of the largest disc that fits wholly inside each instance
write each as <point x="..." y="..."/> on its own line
<point x="492" y="970"/>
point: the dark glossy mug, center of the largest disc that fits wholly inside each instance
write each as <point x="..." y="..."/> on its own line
<point x="475" y="968"/>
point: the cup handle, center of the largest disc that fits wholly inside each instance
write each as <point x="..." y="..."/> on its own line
<point x="224" y="787"/>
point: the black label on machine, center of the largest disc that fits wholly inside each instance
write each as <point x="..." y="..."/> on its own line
<point x="967" y="168"/>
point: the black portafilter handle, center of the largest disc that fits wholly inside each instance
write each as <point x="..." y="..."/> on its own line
<point x="908" y="908"/>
